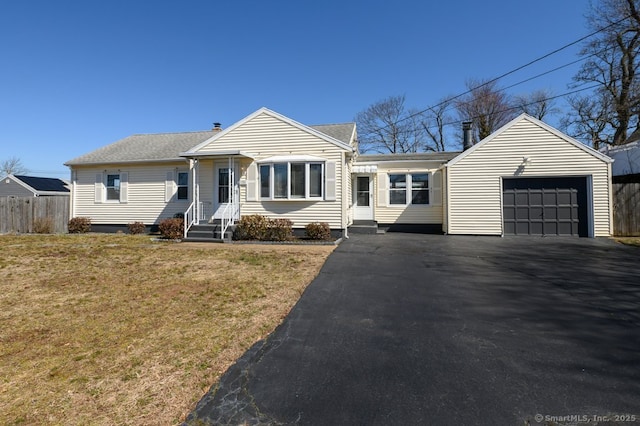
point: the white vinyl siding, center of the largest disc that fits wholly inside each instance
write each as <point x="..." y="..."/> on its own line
<point x="475" y="181"/>
<point x="266" y="136"/>
<point x="408" y="213"/>
<point x="142" y="195"/>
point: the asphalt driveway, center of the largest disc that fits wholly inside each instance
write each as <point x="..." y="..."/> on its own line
<point x="429" y="329"/>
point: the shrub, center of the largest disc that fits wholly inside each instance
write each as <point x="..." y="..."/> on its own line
<point x="318" y="231"/>
<point x="80" y="225"/>
<point x="136" y="228"/>
<point x="172" y="229"/>
<point x="279" y="230"/>
<point x="43" y="225"/>
<point x="253" y="227"/>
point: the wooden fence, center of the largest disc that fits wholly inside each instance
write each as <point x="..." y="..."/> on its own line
<point x="34" y="214"/>
<point x="626" y="209"/>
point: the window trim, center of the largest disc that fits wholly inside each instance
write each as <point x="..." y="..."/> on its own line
<point x="307" y="181"/>
<point x="107" y="187"/>
<point x="408" y="189"/>
<point x="178" y="186"/>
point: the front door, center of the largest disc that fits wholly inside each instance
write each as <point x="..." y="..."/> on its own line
<point x="225" y="196"/>
<point x="363" y="205"/>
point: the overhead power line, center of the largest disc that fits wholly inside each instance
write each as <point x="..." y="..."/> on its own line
<point x="512" y="108"/>
<point x="519" y="68"/>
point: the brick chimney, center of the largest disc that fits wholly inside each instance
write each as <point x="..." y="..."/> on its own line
<point x="216" y="127"/>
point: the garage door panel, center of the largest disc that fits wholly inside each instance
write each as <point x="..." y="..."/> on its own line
<point x="545" y="206"/>
<point x="564" y="198"/>
<point x="535" y="198"/>
<point x="550" y="213"/>
<point x="550" y="228"/>
<point x="522" y="198"/>
<point x="550" y="199"/>
<point x="522" y="213"/>
<point x="522" y="228"/>
<point x="536" y="228"/>
<point x="565" y="213"/>
<point x="566" y="228"/>
<point x="536" y="212"/>
<point x="509" y="199"/>
<point x="510" y="227"/>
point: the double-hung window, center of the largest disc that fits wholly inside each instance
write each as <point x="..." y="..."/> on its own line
<point x="398" y="189"/>
<point x="113" y="187"/>
<point x="291" y="180"/>
<point x="183" y="185"/>
<point x="408" y="188"/>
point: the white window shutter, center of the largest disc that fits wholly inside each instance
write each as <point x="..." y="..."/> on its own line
<point x="99" y="188"/>
<point x="330" y="181"/>
<point x="435" y="196"/>
<point x="124" y="187"/>
<point x="383" y="190"/>
<point x="252" y="182"/>
<point x="169" y="188"/>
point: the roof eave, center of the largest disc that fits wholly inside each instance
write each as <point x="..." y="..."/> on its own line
<point x="212" y="154"/>
<point x="104" y="163"/>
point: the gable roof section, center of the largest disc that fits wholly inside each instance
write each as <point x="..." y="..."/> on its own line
<point x="336" y="129"/>
<point x="141" y="148"/>
<point x="538" y="123"/>
<point x="345" y="132"/>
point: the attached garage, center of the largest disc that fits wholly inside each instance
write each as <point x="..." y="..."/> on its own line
<point x="528" y="179"/>
<point x="545" y="206"/>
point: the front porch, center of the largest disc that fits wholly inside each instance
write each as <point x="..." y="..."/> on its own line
<point x="215" y="207"/>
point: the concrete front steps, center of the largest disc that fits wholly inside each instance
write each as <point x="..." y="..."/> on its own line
<point x="209" y="233"/>
<point x="365" y="227"/>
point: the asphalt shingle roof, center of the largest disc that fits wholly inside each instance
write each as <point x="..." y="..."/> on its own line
<point x="341" y="132"/>
<point x="168" y="146"/>
<point x="150" y="147"/>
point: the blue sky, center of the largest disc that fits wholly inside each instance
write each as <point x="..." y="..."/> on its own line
<point x="79" y="74"/>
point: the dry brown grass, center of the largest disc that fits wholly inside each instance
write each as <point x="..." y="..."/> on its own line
<point x="630" y="241"/>
<point x="116" y="329"/>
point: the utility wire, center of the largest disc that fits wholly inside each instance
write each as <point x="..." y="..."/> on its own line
<point x="512" y="108"/>
<point x="504" y="89"/>
<point x="545" y="56"/>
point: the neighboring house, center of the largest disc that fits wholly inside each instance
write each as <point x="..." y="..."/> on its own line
<point x="513" y="182"/>
<point x="626" y="167"/>
<point x="31" y="186"/>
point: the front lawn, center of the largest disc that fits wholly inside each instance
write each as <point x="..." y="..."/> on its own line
<point x="117" y="329"/>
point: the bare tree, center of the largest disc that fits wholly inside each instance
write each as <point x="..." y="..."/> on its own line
<point x="388" y="127"/>
<point x="434" y="121"/>
<point x="12" y="166"/>
<point x="488" y="107"/>
<point x="612" y="64"/>
<point x="588" y="119"/>
<point x="538" y="104"/>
